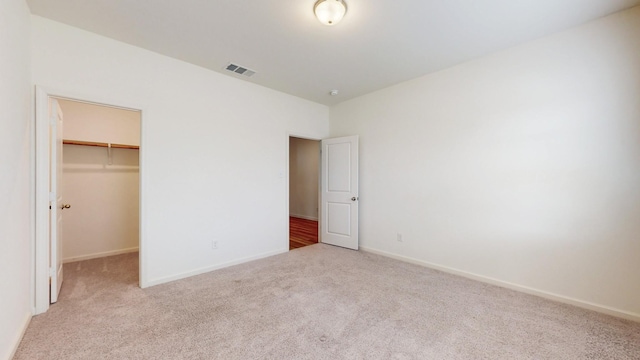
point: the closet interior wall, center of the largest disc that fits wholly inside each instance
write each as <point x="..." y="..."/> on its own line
<point x="100" y="184"/>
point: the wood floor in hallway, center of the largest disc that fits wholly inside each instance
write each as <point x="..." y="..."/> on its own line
<point x="302" y="232"/>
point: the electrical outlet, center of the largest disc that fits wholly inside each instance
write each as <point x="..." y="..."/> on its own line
<point x="399" y="237"/>
<point x="214" y="244"/>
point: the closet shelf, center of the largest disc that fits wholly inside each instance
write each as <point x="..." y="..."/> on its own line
<point x="100" y="144"/>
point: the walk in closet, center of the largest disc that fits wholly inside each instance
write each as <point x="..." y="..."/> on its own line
<point x="100" y="180"/>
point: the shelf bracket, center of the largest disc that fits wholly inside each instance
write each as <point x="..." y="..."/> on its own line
<point x="109" y="155"/>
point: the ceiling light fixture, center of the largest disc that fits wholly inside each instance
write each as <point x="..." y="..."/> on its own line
<point x="330" y="12"/>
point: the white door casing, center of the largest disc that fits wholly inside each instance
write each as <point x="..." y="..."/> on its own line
<point x="41" y="193"/>
<point x="339" y="192"/>
<point x="55" y="196"/>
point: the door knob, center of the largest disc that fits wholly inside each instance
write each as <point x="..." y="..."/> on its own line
<point x="65" y="206"/>
<point x="354" y="198"/>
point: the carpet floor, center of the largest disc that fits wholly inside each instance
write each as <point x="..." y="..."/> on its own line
<point x="317" y="302"/>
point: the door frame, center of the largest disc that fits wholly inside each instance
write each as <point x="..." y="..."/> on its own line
<point x="319" y="140"/>
<point x="40" y="189"/>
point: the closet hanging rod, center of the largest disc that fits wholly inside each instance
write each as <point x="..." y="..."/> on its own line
<point x="100" y="144"/>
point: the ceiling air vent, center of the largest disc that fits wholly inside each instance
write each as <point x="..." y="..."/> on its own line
<point x="240" y="70"/>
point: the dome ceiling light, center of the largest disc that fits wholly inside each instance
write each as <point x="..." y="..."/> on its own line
<point x="330" y="12"/>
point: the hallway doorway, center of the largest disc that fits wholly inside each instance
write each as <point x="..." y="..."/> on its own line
<point x="304" y="179"/>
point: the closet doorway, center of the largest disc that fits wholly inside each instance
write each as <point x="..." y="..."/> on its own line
<point x="100" y="181"/>
<point x="304" y="180"/>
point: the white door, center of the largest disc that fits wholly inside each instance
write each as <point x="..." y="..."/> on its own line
<point x="55" y="197"/>
<point x="339" y="194"/>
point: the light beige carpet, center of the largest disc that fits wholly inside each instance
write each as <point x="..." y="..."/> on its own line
<point x="318" y="302"/>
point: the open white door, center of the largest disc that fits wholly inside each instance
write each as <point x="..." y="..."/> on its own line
<point x="55" y="197"/>
<point x="339" y="193"/>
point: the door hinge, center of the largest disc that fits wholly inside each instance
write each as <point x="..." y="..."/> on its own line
<point x="52" y="271"/>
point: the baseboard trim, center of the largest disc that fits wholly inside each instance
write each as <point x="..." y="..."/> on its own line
<point x="305" y="217"/>
<point x="505" y="284"/>
<point x="23" y="329"/>
<point x="207" y="269"/>
<point x="99" y="255"/>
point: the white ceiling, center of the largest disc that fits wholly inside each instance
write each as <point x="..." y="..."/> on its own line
<point x="378" y="43"/>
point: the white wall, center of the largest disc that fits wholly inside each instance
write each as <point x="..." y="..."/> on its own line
<point x="15" y="143"/>
<point x="104" y="215"/>
<point x="214" y="148"/>
<point x="523" y="166"/>
<point x="90" y="122"/>
<point x="304" y="162"/>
